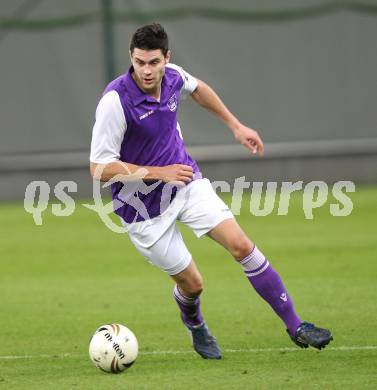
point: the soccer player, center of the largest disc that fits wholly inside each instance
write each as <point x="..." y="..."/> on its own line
<point x="137" y="144"/>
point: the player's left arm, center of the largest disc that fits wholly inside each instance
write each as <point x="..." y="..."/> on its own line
<point x="206" y="97"/>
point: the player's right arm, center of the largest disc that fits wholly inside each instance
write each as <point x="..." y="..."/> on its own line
<point x="123" y="171"/>
<point x="108" y="133"/>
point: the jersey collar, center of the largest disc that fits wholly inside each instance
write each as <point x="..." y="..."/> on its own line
<point x="138" y="96"/>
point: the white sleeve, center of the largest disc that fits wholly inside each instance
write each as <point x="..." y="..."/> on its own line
<point x="108" y="130"/>
<point x="190" y="83"/>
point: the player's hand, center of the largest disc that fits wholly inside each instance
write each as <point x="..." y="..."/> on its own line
<point x="249" y="138"/>
<point x="176" y="174"/>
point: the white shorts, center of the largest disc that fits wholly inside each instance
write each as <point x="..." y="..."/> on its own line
<point x="159" y="239"/>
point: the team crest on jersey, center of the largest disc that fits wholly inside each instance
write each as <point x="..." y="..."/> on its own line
<point x="173" y="103"/>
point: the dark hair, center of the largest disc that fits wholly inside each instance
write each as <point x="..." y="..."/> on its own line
<point x="150" y="37"/>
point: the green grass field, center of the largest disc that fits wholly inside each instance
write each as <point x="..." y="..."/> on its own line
<point x="60" y="281"/>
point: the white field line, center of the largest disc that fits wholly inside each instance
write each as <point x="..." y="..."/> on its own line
<point x="172" y="352"/>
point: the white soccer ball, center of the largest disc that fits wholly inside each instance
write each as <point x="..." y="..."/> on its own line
<point x="113" y="348"/>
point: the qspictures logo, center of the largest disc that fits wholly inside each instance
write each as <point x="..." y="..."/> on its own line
<point x="264" y="198"/>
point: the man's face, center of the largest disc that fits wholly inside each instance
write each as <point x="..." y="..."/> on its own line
<point x="149" y="67"/>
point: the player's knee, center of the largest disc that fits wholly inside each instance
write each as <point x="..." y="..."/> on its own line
<point x="241" y="248"/>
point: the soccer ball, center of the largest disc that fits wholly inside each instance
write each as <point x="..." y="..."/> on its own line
<point x="113" y="348"/>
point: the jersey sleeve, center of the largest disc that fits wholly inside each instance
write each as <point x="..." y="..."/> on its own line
<point x="108" y="130"/>
<point x="190" y="83"/>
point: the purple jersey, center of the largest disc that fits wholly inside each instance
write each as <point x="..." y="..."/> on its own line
<point x="152" y="138"/>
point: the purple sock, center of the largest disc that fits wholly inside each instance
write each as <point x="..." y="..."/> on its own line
<point x="190" y="308"/>
<point x="270" y="287"/>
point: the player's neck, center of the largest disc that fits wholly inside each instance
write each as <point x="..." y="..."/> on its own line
<point x="154" y="93"/>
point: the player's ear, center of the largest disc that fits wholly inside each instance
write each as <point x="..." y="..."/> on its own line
<point x="167" y="57"/>
<point x="130" y="54"/>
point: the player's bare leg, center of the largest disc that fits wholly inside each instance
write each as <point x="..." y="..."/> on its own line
<point x="190" y="280"/>
<point x="268" y="284"/>
<point x="186" y="293"/>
